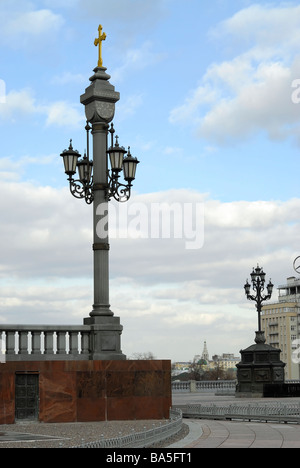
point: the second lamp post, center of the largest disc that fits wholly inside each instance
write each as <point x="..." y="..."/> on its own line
<point x="258" y="283"/>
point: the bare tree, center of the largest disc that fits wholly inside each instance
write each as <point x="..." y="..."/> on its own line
<point x="195" y="369"/>
<point x="217" y="373"/>
<point x="149" y="356"/>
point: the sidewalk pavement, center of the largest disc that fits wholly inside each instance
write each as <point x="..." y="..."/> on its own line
<point x="235" y="434"/>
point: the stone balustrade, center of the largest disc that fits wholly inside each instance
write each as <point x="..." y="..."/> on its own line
<point x="45" y="342"/>
<point x="273" y="411"/>
<point x="192" y="386"/>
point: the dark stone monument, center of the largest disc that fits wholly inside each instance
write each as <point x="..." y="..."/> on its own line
<point x="260" y="365"/>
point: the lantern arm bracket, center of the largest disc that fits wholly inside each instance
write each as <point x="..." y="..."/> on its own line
<point x="259" y="297"/>
<point x="120" y="192"/>
<point x="266" y="297"/>
<point x="251" y="298"/>
<point x="79" y="189"/>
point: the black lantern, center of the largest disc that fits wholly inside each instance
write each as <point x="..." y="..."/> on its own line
<point x="116" y="156"/>
<point x="270" y="288"/>
<point x="85" y="167"/>
<point x="262" y="276"/>
<point x="70" y="158"/>
<point x="119" y="163"/>
<point x="82" y="187"/>
<point x="129" y="167"/>
<point x="247" y="288"/>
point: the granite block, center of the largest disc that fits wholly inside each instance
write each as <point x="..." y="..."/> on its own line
<point x="71" y="391"/>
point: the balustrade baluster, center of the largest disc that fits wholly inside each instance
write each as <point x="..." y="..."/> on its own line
<point x="85" y="342"/>
<point x="10" y="342"/>
<point x="36" y="342"/>
<point x="74" y="343"/>
<point x="49" y="342"/>
<point x="23" y="342"/>
<point x="61" y="342"/>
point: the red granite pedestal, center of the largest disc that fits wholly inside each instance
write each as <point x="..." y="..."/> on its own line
<point x="82" y="391"/>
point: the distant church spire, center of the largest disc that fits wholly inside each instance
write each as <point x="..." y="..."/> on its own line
<point x="205" y="355"/>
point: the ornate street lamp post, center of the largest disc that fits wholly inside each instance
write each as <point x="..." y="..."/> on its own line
<point x="258" y="283"/>
<point x="97" y="185"/>
<point x="260" y="365"/>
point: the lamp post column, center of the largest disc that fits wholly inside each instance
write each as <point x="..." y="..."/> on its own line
<point x="99" y="100"/>
<point x="101" y="304"/>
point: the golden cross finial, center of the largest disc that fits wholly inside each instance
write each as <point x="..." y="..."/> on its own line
<point x="98" y="42"/>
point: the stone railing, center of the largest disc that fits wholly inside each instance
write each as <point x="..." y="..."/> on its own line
<point x="205" y="386"/>
<point x="99" y="338"/>
<point x="181" y="387"/>
<point x="277" y="412"/>
<point x="142" y="439"/>
<point x="45" y="342"/>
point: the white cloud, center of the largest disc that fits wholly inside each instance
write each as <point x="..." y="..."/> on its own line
<point x="161" y="291"/>
<point x="268" y="27"/>
<point x="21" y="25"/>
<point x="128" y="106"/>
<point x="12" y="169"/>
<point x="252" y="92"/>
<point x="60" y="3"/>
<point x="20" y="103"/>
<point x="63" y="114"/>
<point x="33" y="218"/>
<point x="141" y="14"/>
<point x="137" y="59"/>
<point x="68" y="78"/>
<point x="34" y="23"/>
<point x="262" y="104"/>
<point x="172" y="151"/>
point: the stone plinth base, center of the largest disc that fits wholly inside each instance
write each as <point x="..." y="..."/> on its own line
<point x="82" y="391"/>
<point x="260" y="365"/>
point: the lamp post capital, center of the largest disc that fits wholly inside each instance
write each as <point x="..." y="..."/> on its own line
<point x="100" y="98"/>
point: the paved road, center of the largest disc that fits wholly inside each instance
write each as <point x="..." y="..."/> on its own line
<point x="235" y="434"/>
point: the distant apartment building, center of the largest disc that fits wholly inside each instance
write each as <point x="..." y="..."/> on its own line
<point x="281" y="324"/>
<point x="228" y="361"/>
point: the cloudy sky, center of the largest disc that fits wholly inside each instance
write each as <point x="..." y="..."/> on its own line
<point x="210" y="106"/>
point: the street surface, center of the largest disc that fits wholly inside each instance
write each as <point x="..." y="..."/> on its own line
<point x="235" y="434"/>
